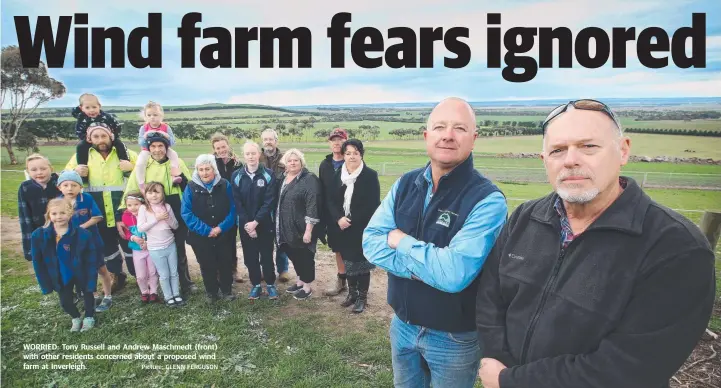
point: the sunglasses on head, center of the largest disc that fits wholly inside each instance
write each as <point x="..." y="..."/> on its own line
<point x="585" y="104"/>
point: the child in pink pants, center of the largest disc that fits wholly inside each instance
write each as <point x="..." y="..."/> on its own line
<point x="145" y="273"/>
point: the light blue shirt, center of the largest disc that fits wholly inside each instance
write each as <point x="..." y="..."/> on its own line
<point x="450" y="269"/>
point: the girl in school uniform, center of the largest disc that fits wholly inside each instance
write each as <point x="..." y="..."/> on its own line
<point x="64" y="256"/>
<point x="87" y="215"/>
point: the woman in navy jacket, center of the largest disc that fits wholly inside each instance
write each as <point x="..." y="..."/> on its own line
<point x="254" y="195"/>
<point x="64" y="256"/>
<point x="208" y="210"/>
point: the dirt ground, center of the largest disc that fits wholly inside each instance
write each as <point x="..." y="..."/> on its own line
<point x="325" y="276"/>
<point x="702" y="369"/>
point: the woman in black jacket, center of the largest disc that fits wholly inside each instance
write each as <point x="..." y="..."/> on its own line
<point x="355" y="196"/>
<point x="296" y="216"/>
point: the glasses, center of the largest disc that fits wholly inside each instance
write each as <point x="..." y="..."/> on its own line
<point x="584" y="104"/>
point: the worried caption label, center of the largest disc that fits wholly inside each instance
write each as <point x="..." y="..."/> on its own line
<point x="75" y="356"/>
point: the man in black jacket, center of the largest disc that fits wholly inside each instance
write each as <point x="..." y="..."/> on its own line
<point x="326" y="172"/>
<point x="594" y="285"/>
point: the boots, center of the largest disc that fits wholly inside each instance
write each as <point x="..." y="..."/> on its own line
<point x="352" y="291"/>
<point x="362" y="299"/>
<point x="360" y="303"/>
<point x="340" y="286"/>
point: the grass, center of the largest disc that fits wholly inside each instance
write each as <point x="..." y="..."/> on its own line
<point x="260" y="344"/>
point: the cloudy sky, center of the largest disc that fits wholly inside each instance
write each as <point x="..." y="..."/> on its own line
<point x="173" y="85"/>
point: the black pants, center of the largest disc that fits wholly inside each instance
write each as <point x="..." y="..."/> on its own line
<point x="216" y="264"/>
<point x="183" y="271"/>
<point x="66" y="295"/>
<point x="360" y="282"/>
<point x="257" y="253"/>
<point x="83" y="148"/>
<point x="303" y="261"/>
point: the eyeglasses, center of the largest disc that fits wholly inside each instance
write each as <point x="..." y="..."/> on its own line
<point x="585" y="104"/>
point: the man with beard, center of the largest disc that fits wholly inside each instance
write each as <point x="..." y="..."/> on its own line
<point x="158" y="170"/>
<point x="271" y="158"/>
<point x="595" y="284"/>
<point x="106" y="182"/>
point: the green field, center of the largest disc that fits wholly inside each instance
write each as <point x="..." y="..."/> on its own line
<point x="289" y="343"/>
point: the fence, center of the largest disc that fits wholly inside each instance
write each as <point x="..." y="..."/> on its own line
<point x="664" y="180"/>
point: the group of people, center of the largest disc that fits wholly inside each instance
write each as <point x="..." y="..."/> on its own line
<point x="266" y="196"/>
<point x="594" y="284"/>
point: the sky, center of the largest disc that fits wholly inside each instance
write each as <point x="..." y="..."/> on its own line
<point x="323" y="85"/>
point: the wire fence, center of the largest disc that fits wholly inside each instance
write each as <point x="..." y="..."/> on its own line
<point x="662" y="180"/>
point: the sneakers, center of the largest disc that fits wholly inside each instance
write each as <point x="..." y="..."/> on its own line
<point x="284" y="277"/>
<point x="255" y="292"/>
<point x="154" y="298"/>
<point x="104" y="305"/>
<point x="293" y="289"/>
<point x="171" y="303"/>
<point x="76" y="324"/>
<point x="179" y="301"/>
<point x="272" y="292"/>
<point x="145" y="298"/>
<point x="302" y="295"/>
<point x="88" y="323"/>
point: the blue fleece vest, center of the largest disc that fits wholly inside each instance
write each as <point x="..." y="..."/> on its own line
<point x="457" y="194"/>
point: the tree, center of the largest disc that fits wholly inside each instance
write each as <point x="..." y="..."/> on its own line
<point x="23" y="89"/>
<point x="27" y="142"/>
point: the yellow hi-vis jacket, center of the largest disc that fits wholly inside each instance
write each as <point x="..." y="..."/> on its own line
<point x="160" y="172"/>
<point x="106" y="182"/>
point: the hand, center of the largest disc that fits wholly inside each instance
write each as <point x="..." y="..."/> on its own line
<point x="214" y="232"/>
<point x="144" y="245"/>
<point x="490" y="372"/>
<point x="162" y="216"/>
<point x="250" y="226"/>
<point x="306" y="237"/>
<point x="395" y="237"/>
<point x="344" y="223"/>
<point x="125" y="165"/>
<point x="82" y="170"/>
<point x="120" y="225"/>
<point x="253" y="234"/>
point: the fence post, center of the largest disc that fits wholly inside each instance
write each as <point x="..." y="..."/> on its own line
<point x="645" y="176"/>
<point x="711" y="227"/>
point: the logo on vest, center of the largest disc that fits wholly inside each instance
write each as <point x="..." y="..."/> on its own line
<point x="83" y="212"/>
<point x="261" y="183"/>
<point x="444" y="219"/>
<point x="66" y="247"/>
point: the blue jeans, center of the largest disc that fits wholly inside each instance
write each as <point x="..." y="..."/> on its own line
<point x="166" y="263"/>
<point x="281" y="261"/>
<point x="423" y="356"/>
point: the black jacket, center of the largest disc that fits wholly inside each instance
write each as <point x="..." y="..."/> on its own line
<point x="226" y="170"/>
<point x="255" y="198"/>
<point x="366" y="199"/>
<point x="326" y="174"/>
<point x="297" y="204"/>
<point x="622" y="306"/>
